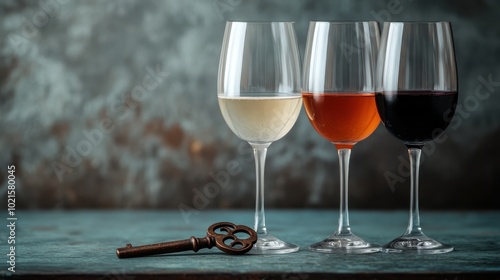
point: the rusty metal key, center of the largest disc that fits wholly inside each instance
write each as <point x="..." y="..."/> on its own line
<point x="227" y="231"/>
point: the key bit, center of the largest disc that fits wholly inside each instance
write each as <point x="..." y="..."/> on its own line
<point x="228" y="230"/>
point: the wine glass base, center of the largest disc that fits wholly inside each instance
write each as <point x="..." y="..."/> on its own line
<point x="344" y="244"/>
<point x="268" y="244"/>
<point x="416" y="244"/>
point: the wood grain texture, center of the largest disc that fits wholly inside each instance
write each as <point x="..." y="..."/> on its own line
<point x="82" y="245"/>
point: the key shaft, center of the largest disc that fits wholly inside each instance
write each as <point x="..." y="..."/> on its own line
<point x="192" y="243"/>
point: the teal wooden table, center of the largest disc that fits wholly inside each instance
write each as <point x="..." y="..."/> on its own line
<point x="82" y="244"/>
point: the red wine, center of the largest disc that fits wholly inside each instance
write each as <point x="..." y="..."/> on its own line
<point x="415" y="116"/>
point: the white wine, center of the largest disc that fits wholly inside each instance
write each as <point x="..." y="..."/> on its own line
<point x="260" y="119"/>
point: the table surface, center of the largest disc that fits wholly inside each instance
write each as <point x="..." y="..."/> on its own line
<point x="82" y="245"/>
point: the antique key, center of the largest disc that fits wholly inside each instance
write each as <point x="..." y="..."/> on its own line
<point x="236" y="246"/>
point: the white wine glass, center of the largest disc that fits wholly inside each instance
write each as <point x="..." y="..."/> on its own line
<point x="259" y="96"/>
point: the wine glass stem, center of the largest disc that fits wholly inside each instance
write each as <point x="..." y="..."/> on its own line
<point x="259" y="152"/>
<point x="414" y="221"/>
<point x="344" y="156"/>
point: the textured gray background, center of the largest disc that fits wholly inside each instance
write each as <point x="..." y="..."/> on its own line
<point x="67" y="66"/>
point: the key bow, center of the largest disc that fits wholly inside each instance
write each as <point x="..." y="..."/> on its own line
<point x="230" y="230"/>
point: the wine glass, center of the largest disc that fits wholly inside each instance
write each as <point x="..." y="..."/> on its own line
<point x="339" y="98"/>
<point x="259" y="97"/>
<point x="416" y="99"/>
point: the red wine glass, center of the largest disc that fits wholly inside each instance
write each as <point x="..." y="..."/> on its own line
<point x="416" y="99"/>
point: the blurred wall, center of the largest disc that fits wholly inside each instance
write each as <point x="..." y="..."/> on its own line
<point x="112" y="104"/>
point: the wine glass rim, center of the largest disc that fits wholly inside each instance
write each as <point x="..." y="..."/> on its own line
<point x="417" y="22"/>
<point x="346" y="92"/>
<point x="258" y="22"/>
<point x="343" y="21"/>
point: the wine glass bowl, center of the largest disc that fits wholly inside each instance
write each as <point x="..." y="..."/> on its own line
<point x="259" y="97"/>
<point x="339" y="98"/>
<point x="417" y="92"/>
<point x="262" y="119"/>
<point x="342" y="118"/>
